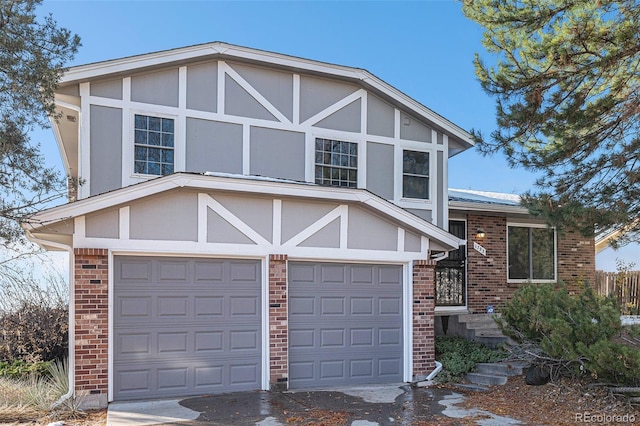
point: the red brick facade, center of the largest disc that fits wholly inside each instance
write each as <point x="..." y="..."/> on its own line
<point x="278" y="325"/>
<point x="487" y="275"/>
<point x="423" y="317"/>
<point x="91" y="322"/>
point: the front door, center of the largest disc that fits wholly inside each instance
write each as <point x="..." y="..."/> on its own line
<point x="451" y="289"/>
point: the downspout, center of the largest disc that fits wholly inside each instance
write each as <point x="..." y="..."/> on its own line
<point x="435" y="371"/>
<point x="72" y="310"/>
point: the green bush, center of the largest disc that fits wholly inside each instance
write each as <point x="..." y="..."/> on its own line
<point x="576" y="332"/>
<point x="460" y="356"/>
<point x="20" y="369"/>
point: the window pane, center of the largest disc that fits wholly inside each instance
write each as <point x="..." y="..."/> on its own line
<point x="518" y="253"/>
<point x="141" y="153"/>
<point x="154" y="154"/>
<point x="167" y="156"/>
<point x="140" y="137"/>
<point x="415" y="162"/>
<point x="543" y="254"/>
<point x="167" y="125"/>
<point x="140" y="167"/>
<point x="167" y="139"/>
<point x="415" y="187"/>
<point x="153" y="168"/>
<point x="154" y="138"/>
<point x="141" y="122"/>
<point x="154" y="123"/>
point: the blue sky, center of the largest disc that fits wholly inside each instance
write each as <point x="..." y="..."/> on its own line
<point x="423" y="48"/>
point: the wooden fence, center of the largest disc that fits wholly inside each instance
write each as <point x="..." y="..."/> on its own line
<point x="625" y="286"/>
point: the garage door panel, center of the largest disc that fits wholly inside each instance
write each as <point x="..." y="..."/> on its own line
<point x="186" y="326"/>
<point x="344" y="332"/>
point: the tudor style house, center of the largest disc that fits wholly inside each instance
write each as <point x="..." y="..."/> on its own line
<point x="247" y="220"/>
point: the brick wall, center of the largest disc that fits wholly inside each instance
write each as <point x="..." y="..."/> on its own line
<point x="576" y="259"/>
<point x="278" y="325"/>
<point x="487" y="275"/>
<point x="91" y="323"/>
<point x="423" y="317"/>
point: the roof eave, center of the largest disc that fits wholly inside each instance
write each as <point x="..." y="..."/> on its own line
<point x="487" y="207"/>
<point x="239" y="185"/>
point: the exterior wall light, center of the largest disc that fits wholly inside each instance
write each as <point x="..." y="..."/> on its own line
<point x="480" y="234"/>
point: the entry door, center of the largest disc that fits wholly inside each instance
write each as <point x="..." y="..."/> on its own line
<point x="451" y="276"/>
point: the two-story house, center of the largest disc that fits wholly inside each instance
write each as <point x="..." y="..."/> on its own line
<point x="246" y="220"/>
<point x="249" y="220"/>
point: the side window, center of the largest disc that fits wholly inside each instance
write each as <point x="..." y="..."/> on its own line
<point x="415" y="174"/>
<point x="531" y="253"/>
<point x="336" y="163"/>
<point x="153" y="145"/>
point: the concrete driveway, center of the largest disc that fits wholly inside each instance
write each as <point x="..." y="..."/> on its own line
<point x="358" y="406"/>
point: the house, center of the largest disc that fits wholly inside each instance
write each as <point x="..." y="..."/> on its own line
<point x="246" y="220"/>
<point x="504" y="249"/>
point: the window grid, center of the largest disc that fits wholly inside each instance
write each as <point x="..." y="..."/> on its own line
<point x="336" y="163"/>
<point x="153" y="145"/>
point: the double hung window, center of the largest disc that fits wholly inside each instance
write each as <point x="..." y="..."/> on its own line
<point x="153" y="145"/>
<point x="336" y="163"/>
<point x="415" y="174"/>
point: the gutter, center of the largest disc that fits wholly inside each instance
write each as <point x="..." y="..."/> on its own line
<point x="71" y="359"/>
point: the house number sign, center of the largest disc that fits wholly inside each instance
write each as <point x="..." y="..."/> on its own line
<point x="477" y="247"/>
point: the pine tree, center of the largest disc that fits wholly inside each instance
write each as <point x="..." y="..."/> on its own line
<point x="566" y="78"/>
<point x="32" y="57"/>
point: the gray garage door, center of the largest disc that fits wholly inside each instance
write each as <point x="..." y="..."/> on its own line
<point x="185" y="326"/>
<point x="345" y="324"/>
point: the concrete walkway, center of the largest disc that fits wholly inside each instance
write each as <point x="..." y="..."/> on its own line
<point x="165" y="411"/>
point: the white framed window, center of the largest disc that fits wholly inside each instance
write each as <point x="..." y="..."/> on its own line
<point x="153" y="145"/>
<point x="415" y="174"/>
<point x="531" y="253"/>
<point x="336" y="163"/>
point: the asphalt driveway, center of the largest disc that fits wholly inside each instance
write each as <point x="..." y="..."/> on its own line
<point x="358" y="406"/>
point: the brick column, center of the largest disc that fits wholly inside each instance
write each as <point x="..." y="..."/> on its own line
<point x="91" y="325"/>
<point x="423" y="318"/>
<point x="278" y="322"/>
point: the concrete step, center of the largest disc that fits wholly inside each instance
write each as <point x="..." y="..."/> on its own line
<point x="491" y="342"/>
<point x="477" y="318"/>
<point x="501" y="368"/>
<point x="487" y="332"/>
<point x="486" y="379"/>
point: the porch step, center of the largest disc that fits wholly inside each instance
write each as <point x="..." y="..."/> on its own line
<point x="486" y="379"/>
<point x="501" y="368"/>
<point x="495" y="373"/>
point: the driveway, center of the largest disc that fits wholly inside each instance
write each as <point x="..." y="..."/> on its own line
<point x="358" y="406"/>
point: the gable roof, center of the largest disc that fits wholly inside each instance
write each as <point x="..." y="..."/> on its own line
<point x="238" y="184"/>
<point x="223" y="51"/>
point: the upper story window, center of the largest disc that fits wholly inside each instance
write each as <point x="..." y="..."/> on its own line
<point x="153" y="145"/>
<point x="531" y="253"/>
<point x="415" y="174"/>
<point x="336" y="163"/>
